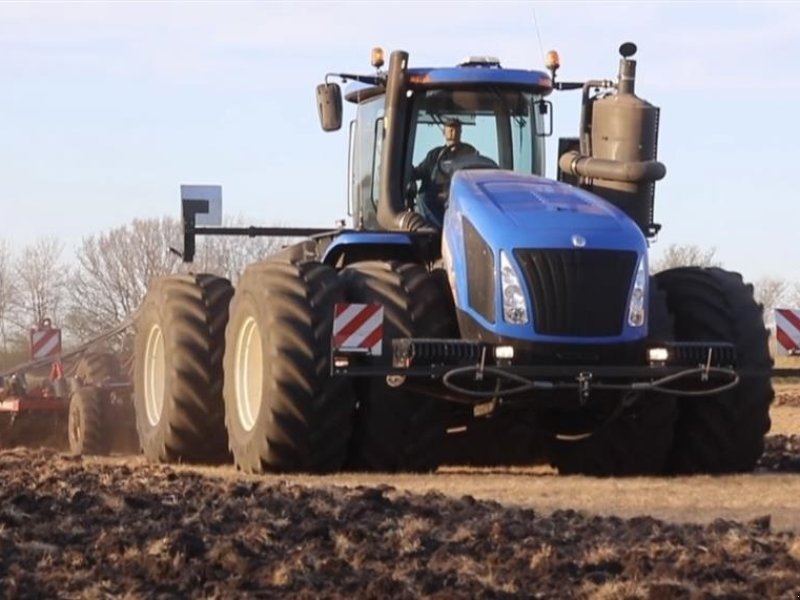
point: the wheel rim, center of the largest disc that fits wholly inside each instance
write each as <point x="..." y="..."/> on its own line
<point x="154" y="372"/>
<point x="74" y="428"/>
<point x="248" y="373"/>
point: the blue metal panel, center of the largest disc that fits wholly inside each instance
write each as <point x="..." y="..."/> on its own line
<point x="511" y="211"/>
<point x="534" y="80"/>
<point x="366" y="238"/>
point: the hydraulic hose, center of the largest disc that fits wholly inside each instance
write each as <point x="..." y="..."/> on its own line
<point x="524" y="384"/>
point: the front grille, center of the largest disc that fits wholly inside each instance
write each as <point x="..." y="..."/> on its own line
<point x="480" y="272"/>
<point x="578" y="292"/>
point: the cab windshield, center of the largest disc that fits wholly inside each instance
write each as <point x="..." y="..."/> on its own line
<point x="501" y="124"/>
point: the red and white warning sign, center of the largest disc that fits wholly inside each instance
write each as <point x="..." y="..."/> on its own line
<point x="787" y="330"/>
<point x="358" y="328"/>
<point x="45" y="340"/>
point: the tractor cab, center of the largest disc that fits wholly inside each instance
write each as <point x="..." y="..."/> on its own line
<point x="501" y="113"/>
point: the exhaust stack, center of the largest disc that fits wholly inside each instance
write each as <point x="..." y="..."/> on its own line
<point x="619" y="161"/>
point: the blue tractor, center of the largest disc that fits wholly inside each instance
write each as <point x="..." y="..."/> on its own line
<point x="488" y="315"/>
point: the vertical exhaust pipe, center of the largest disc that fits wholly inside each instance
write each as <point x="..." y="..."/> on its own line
<point x="392" y="211"/>
<point x="627" y="69"/>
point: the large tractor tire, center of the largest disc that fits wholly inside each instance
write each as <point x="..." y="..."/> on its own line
<point x="283" y="410"/>
<point x="178" y="369"/>
<point x="397" y="429"/>
<point x="638" y="441"/>
<point x="722" y="433"/>
<point x="87" y="425"/>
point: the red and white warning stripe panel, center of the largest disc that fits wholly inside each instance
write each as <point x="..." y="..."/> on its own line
<point x="787" y="330"/>
<point x="358" y="328"/>
<point x="45" y="342"/>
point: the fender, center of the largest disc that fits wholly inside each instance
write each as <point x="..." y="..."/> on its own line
<point x="355" y="246"/>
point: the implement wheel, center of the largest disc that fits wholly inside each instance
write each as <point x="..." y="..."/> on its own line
<point x="87" y="426"/>
<point x="178" y="369"/>
<point x="97" y="369"/>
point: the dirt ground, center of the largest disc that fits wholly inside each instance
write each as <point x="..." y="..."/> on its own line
<point x="119" y="528"/>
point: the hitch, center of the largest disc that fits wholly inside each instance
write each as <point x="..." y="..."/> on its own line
<point x="584" y="383"/>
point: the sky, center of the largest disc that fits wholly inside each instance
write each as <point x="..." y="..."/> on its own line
<point x="107" y="108"/>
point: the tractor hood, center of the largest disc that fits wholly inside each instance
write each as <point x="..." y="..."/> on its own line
<point x="513" y="210"/>
<point x="575" y="254"/>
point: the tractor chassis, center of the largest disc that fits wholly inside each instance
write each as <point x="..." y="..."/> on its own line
<point x="486" y="375"/>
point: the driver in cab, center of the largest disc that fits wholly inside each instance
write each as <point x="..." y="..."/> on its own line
<point x="435" y="174"/>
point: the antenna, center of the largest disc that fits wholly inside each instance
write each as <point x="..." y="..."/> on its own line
<point x="538" y="34"/>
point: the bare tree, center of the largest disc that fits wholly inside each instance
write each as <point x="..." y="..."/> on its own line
<point x="792" y="297"/>
<point x="7" y="292"/>
<point x="113" y="271"/>
<point x="229" y="255"/>
<point x="41" y="283"/>
<point x="115" y="268"/>
<point x="685" y="256"/>
<point x="771" y="292"/>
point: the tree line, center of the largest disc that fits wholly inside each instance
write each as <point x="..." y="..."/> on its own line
<point x="770" y="292"/>
<point x="106" y="280"/>
<point x="109" y="276"/>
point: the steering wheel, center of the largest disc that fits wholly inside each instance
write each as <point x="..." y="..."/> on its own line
<point x="448" y="166"/>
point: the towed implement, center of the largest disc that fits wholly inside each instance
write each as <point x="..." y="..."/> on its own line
<point x="488" y="316"/>
<point x="77" y="401"/>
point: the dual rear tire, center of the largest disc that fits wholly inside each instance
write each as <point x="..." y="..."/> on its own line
<point x="279" y="409"/>
<point x="283" y="410"/>
<point x="178" y="369"/>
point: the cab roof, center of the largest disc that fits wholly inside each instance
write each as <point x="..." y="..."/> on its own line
<point x="472" y="73"/>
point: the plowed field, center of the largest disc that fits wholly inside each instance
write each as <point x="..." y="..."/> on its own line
<point x="119" y="528"/>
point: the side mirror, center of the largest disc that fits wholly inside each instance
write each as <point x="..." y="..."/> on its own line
<point x="329" y="104"/>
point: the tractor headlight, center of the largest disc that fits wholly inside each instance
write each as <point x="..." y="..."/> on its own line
<point x="636" y="311"/>
<point x="515" y="310"/>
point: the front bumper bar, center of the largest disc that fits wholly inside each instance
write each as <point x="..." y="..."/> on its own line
<point x="415" y="357"/>
<point x="475" y="372"/>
